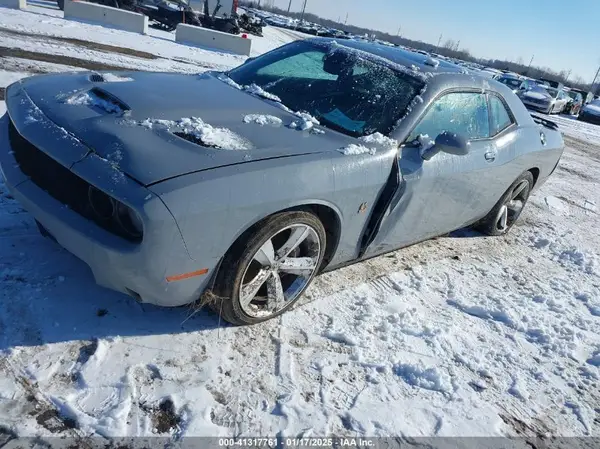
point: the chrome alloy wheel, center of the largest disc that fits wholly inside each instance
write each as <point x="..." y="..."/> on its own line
<point x="280" y="270"/>
<point x="513" y="206"/>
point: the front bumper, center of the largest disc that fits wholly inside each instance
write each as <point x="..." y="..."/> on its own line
<point x="137" y="269"/>
<point x="542" y="107"/>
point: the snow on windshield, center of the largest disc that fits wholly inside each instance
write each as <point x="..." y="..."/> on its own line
<point x="343" y="88"/>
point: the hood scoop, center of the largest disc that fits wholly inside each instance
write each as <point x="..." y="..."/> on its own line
<point x="195" y="130"/>
<point x="97" y="98"/>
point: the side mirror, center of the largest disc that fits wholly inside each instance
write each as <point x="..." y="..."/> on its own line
<point x="448" y="142"/>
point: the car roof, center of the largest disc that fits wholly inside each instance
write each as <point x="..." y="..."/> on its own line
<point x="400" y="56"/>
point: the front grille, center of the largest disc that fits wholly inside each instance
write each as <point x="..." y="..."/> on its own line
<point x="58" y="181"/>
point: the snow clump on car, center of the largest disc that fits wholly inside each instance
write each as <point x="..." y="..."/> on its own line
<point x="263" y="120"/>
<point x="195" y="130"/>
<point x="370" y="144"/>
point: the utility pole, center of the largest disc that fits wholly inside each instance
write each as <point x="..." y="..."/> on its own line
<point x="440" y="40"/>
<point x="530" y="62"/>
<point x="303" y="11"/>
<point x="594" y="82"/>
<point x="289" y="6"/>
<point x="399" y="29"/>
<point x="346" y="21"/>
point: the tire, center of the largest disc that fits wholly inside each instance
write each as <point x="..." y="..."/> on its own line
<point x="253" y="259"/>
<point x="514" y="200"/>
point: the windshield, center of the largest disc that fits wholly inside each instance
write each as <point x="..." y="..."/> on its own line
<point x="574" y="95"/>
<point x="510" y="82"/>
<point x="343" y="90"/>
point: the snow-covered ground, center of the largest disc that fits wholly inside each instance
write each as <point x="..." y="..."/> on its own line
<point x="463" y="335"/>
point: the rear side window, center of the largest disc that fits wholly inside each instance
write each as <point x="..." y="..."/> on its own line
<point x="500" y="117"/>
<point x="463" y="113"/>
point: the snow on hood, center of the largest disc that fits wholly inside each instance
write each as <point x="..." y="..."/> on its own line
<point x="112" y="78"/>
<point x="90" y="98"/>
<point x="262" y="119"/>
<point x="257" y="90"/>
<point x="370" y="144"/>
<point x="306" y="122"/>
<point x="202" y="133"/>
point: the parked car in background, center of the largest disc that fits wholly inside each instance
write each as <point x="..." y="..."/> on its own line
<point x="513" y="82"/>
<point x="587" y="96"/>
<point x="545" y="99"/>
<point x="574" y="103"/>
<point x="543" y="83"/>
<point x="552" y="83"/>
<point x="245" y="194"/>
<point x="590" y="112"/>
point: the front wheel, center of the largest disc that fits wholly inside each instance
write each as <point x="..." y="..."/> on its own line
<point x="506" y="211"/>
<point x="265" y="273"/>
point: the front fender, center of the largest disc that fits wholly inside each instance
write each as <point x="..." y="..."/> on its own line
<point x="214" y="207"/>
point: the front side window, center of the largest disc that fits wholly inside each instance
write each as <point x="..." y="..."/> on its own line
<point x="340" y="87"/>
<point x="463" y="113"/>
<point x="500" y="118"/>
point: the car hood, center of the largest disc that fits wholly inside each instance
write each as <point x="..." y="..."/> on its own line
<point x="592" y="109"/>
<point x="126" y="119"/>
<point x="537" y="95"/>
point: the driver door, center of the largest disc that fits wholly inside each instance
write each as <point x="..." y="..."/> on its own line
<point x="448" y="191"/>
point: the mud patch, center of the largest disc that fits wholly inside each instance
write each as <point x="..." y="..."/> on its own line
<point x="164" y="417"/>
<point x="86" y="351"/>
<point x="58" y="59"/>
<point x="52" y="421"/>
<point x="86" y="44"/>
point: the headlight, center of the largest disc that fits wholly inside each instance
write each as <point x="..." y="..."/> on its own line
<point x="129" y="220"/>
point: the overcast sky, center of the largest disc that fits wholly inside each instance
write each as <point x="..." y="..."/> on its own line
<point x="562" y="35"/>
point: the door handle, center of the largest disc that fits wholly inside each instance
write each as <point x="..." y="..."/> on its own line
<point x="490" y="156"/>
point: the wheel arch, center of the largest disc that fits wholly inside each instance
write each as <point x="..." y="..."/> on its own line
<point x="536" y="174"/>
<point x="330" y="216"/>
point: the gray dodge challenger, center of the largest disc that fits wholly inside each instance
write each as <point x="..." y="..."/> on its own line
<point x="239" y="188"/>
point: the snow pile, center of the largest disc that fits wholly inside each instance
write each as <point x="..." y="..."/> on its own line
<point x="306" y="122"/>
<point x="370" y="144"/>
<point x="425" y="142"/>
<point x="228" y="81"/>
<point x="91" y="99"/>
<point x="263" y="120"/>
<point x="354" y="149"/>
<point x="428" y="378"/>
<point x="112" y="78"/>
<point x="202" y="132"/>
<point x="255" y="89"/>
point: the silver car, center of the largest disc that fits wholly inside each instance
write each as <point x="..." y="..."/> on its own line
<point x="237" y="189"/>
<point x="544" y="99"/>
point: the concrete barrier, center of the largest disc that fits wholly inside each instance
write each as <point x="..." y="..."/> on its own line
<point x="15" y="4"/>
<point x="105" y="15"/>
<point x="213" y="39"/>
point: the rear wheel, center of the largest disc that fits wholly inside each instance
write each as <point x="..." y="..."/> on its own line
<point x="506" y="211"/>
<point x="264" y="275"/>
